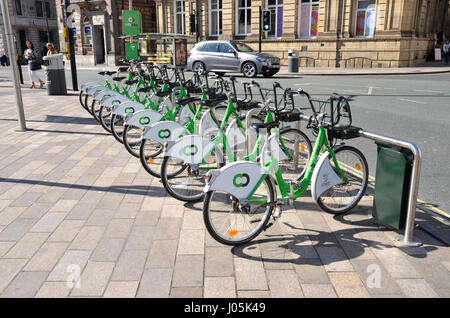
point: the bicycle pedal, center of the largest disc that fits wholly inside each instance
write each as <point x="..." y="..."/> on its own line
<point x="277" y="213"/>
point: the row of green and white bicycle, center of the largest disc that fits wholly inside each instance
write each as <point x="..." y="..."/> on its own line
<point x="202" y="146"/>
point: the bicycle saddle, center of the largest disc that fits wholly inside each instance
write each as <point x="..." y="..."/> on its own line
<point x="267" y="126"/>
<point x="163" y="93"/>
<point x="144" y="89"/>
<point x="123" y="69"/>
<point x="212" y="102"/>
<point x="119" y="78"/>
<point x="187" y="100"/>
<point x="106" y="73"/>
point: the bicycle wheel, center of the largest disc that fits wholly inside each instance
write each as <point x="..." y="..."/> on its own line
<point x="343" y="197"/>
<point x="117" y="122"/>
<point x="95" y="110"/>
<point x="186" y="182"/>
<point x="230" y="223"/>
<point x="150" y="154"/>
<point x="132" y="139"/>
<point x="88" y="103"/>
<point x="104" y="116"/>
<point x="298" y="148"/>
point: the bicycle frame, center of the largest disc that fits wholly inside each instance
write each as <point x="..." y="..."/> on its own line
<point x="285" y="188"/>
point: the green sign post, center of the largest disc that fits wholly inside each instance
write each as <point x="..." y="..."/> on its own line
<point x="131" y="22"/>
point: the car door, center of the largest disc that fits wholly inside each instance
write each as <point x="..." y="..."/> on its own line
<point x="211" y="55"/>
<point x="229" y="59"/>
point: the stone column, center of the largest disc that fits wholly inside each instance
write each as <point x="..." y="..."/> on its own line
<point x="228" y="18"/>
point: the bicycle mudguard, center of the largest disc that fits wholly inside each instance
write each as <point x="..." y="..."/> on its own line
<point x="236" y="137"/>
<point x="143" y="118"/>
<point x="191" y="149"/>
<point x="275" y="148"/>
<point x="85" y="86"/>
<point x="238" y="179"/>
<point x="164" y="131"/>
<point x="94" y="89"/>
<point x="208" y="125"/>
<point x="127" y="108"/>
<point x="324" y="177"/>
<point x="185" y="114"/>
<point x="103" y="94"/>
<point x="113" y="100"/>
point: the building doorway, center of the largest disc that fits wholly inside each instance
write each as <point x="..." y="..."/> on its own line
<point x="98" y="45"/>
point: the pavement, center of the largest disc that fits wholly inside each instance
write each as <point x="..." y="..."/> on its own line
<point x="80" y="217"/>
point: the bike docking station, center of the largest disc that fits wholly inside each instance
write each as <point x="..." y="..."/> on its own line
<point x="397" y="183"/>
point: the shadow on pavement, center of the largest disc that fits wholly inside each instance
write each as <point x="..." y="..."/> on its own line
<point x="125" y="189"/>
<point x="290" y="248"/>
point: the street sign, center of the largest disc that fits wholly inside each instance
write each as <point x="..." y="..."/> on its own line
<point x="131" y="22"/>
<point x="98" y="19"/>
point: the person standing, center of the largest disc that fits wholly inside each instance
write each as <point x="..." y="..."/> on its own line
<point x="51" y="49"/>
<point x="446" y="49"/>
<point x="33" y="64"/>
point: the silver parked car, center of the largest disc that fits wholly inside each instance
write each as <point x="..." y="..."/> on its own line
<point x="230" y="56"/>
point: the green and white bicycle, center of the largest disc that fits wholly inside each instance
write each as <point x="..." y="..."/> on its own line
<point x="187" y="160"/>
<point x="241" y="197"/>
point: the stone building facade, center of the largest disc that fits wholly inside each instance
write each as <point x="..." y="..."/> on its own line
<point x="33" y="21"/>
<point x="327" y="33"/>
<point x="90" y="38"/>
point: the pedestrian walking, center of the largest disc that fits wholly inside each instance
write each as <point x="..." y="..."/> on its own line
<point x="446" y="49"/>
<point x="33" y="65"/>
<point x="4" y="60"/>
<point x="51" y="49"/>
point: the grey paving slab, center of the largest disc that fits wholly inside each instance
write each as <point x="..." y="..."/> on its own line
<point x="25" y="285"/>
<point x="155" y="283"/>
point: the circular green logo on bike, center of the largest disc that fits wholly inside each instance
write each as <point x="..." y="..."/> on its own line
<point x="241" y="180"/>
<point x="190" y="150"/>
<point x="144" y="120"/>
<point x="165" y="133"/>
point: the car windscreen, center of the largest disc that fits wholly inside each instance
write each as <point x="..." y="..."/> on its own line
<point x="241" y="47"/>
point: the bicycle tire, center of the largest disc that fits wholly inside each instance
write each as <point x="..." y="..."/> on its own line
<point x="81" y="99"/>
<point x="117" y="122"/>
<point x="305" y="150"/>
<point x="88" y="102"/>
<point x="130" y="144"/>
<point x="105" y="118"/>
<point x="358" y="168"/>
<point x="234" y="210"/>
<point x="189" y="186"/>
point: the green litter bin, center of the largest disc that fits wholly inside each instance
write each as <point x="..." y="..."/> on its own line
<point x="392" y="184"/>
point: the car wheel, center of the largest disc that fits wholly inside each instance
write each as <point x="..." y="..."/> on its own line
<point x="249" y="69"/>
<point x="199" y="68"/>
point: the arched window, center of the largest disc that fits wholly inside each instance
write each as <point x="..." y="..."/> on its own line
<point x="87" y="31"/>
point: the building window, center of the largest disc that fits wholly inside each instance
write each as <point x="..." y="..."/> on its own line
<point x="365" y="18"/>
<point x="18" y="7"/>
<point x="87" y="31"/>
<point x="276" y="18"/>
<point x="243" y="19"/>
<point x="39" y="12"/>
<point x="179" y="16"/>
<point x="215" y="17"/>
<point x="48" y="12"/>
<point x="308" y="18"/>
